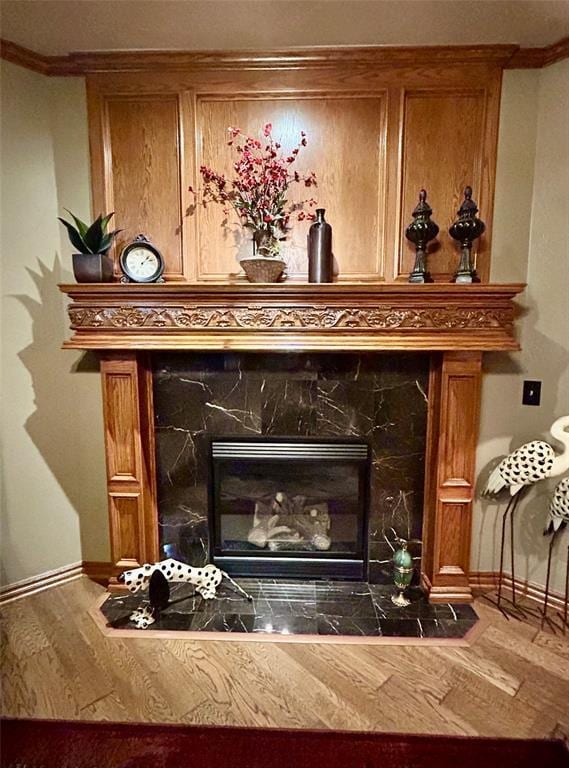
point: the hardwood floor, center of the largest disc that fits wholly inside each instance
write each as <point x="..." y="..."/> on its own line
<point x="513" y="680"/>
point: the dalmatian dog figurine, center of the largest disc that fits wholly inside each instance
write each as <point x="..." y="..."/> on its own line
<point x="158" y="577"/>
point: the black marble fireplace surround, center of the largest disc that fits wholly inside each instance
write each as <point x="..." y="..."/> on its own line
<point x="376" y="397"/>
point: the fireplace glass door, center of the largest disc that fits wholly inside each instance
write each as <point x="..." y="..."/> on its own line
<point x="289" y="508"/>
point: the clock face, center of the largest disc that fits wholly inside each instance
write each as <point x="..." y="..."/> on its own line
<point x="141" y="263"/>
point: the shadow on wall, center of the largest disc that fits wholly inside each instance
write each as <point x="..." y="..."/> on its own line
<point x="55" y="425"/>
<point x="539" y="352"/>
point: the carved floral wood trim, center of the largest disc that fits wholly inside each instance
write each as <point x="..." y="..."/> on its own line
<point x="241" y="316"/>
<point x="308" y="317"/>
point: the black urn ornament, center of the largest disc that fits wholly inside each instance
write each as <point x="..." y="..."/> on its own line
<point x="420" y="232"/>
<point x="465" y="230"/>
<point x="320" y="260"/>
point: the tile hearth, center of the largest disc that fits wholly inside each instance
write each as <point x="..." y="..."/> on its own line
<point x="322" y="608"/>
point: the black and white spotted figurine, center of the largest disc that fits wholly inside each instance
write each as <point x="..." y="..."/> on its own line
<point x="158" y="576"/>
<point x="558" y="515"/>
<point x="531" y="462"/>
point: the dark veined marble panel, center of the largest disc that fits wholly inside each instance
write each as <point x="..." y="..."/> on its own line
<point x="379" y="397"/>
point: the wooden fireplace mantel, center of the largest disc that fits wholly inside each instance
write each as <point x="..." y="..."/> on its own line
<point x="299" y="316"/>
<point x="455" y="323"/>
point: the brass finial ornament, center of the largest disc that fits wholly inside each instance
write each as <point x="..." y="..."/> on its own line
<point x="465" y="230"/>
<point x="420" y="232"/>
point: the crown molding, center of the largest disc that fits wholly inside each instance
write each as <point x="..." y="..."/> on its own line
<point x="537" y="58"/>
<point x="86" y="63"/>
<point x="37" y="62"/>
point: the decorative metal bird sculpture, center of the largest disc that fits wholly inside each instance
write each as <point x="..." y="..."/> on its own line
<point x="558" y="515"/>
<point x="531" y="462"/>
<point x="522" y="468"/>
<point x="557" y="519"/>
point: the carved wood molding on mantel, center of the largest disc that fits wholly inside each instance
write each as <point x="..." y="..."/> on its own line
<point x="289" y="316"/>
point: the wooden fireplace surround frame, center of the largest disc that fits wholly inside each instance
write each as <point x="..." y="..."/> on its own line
<point x="456" y="324"/>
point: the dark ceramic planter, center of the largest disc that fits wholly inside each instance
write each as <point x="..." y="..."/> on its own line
<point x="92" y="267"/>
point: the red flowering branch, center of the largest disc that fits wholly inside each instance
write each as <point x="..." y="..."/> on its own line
<point x="258" y="190"/>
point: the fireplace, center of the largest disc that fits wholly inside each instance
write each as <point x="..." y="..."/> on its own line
<point x="289" y="507"/>
<point x="363" y="415"/>
<point x="158" y="433"/>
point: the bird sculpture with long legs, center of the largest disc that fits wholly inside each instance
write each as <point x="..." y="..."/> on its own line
<point x="557" y="519"/>
<point x="522" y="468"/>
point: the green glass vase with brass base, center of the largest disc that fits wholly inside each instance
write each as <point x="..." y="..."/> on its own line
<point x="402" y="573"/>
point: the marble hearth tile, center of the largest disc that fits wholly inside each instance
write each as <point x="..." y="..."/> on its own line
<point x="458" y="612"/>
<point x="177" y="454"/>
<point x="404" y="628"/>
<point x="348" y="625"/>
<point x="179" y="401"/>
<point x="174" y="364"/>
<point x="174" y="621"/>
<point x="288" y="406"/>
<point x="345" y="408"/>
<point x="348" y="605"/>
<point x="235" y="405"/>
<point x="349" y="366"/>
<point x="227" y="604"/>
<point x="288" y="366"/>
<point x="272" y="598"/>
<point x="230" y="613"/>
<point x="285" y="625"/>
<point x="400" y="510"/>
<point x="222" y="622"/>
<point x="400" y="367"/>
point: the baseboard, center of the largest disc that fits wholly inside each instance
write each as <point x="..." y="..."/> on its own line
<point x="485" y="581"/>
<point x="34" y="584"/>
<point x="99" y="570"/>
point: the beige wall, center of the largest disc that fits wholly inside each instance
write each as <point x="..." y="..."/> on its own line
<point x="53" y="501"/>
<point x="54" y="510"/>
<point x="530" y="244"/>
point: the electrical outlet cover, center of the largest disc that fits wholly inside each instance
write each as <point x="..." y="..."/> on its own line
<point x="532" y="393"/>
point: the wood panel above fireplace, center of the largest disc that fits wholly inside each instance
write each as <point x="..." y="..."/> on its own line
<point x="380" y="125"/>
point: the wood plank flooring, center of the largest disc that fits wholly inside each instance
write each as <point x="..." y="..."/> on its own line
<point x="56" y="663"/>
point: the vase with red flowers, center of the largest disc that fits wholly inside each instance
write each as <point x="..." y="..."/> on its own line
<point x="258" y="192"/>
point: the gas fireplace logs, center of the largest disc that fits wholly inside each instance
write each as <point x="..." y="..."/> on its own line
<point x="288" y="522"/>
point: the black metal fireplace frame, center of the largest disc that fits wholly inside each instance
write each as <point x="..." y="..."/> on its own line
<point x="302" y="564"/>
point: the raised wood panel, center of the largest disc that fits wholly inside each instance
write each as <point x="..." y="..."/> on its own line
<point x="457" y="466"/>
<point x="453" y="436"/>
<point x="451" y="539"/>
<point x="443" y="150"/>
<point x="129" y="447"/>
<point x="376" y="136"/>
<point x="347" y="150"/>
<point x="143" y="169"/>
<point x="127" y="526"/>
<point x="121" y="426"/>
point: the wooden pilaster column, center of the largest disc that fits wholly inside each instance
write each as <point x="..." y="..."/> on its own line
<point x="452" y="438"/>
<point x="130" y="459"/>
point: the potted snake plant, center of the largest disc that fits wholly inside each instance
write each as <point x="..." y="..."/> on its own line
<point x="91" y="263"/>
